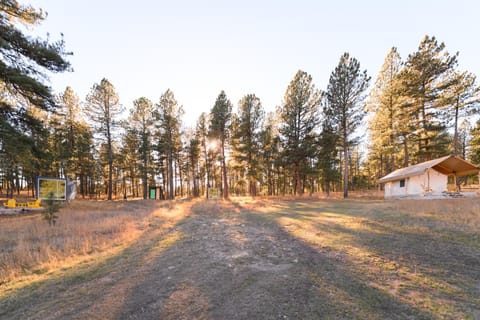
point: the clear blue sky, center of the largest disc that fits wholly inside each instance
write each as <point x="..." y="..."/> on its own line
<point x="197" y="48"/>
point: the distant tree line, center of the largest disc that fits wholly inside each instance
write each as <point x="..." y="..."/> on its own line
<point x="337" y="139"/>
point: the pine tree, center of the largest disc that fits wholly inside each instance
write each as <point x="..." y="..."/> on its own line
<point x="129" y="159"/>
<point x="423" y="84"/>
<point x="69" y="121"/>
<point x="474" y="153"/>
<point x="345" y="108"/>
<point x="384" y="107"/>
<point x="25" y="63"/>
<point x="269" y="151"/>
<point x="328" y="156"/>
<point x="299" y="116"/>
<point x="193" y="158"/>
<point x="202" y="135"/>
<point x="168" y="115"/>
<point x="248" y="138"/>
<point x="141" y="122"/>
<point x="103" y="108"/>
<point x="462" y="98"/>
<point x="220" y="120"/>
<point x="86" y="164"/>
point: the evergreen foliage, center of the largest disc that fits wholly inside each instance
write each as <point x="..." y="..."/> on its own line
<point x="423" y="84"/>
<point x="462" y="98"/>
<point x="220" y="121"/>
<point x="25" y="63"/>
<point x="51" y="208"/>
<point x="386" y="117"/>
<point x="141" y="125"/>
<point x="202" y="136"/>
<point x="247" y="139"/>
<point x="418" y="109"/>
<point x="168" y="116"/>
<point x="103" y="109"/>
<point x="299" y="116"/>
<point x="475" y="143"/>
<point x="345" y="109"/>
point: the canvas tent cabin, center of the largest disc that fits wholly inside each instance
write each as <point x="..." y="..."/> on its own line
<point x="428" y="178"/>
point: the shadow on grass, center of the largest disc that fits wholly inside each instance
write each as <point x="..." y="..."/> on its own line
<point x="243" y="266"/>
<point x="67" y="293"/>
<point x="222" y="261"/>
<point x="438" y="274"/>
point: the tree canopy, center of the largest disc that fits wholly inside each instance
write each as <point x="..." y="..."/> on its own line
<point x="330" y="140"/>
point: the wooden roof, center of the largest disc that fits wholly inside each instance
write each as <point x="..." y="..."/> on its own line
<point x="446" y="165"/>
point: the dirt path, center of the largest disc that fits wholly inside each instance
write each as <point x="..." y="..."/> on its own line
<point x="221" y="261"/>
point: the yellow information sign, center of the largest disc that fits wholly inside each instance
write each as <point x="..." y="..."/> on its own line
<point x="52" y="188"/>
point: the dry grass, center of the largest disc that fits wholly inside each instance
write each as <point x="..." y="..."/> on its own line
<point x="458" y="214"/>
<point x="360" y="258"/>
<point x="29" y="245"/>
<point x="424" y="254"/>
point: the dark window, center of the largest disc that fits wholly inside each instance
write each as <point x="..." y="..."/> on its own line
<point x="402" y="183"/>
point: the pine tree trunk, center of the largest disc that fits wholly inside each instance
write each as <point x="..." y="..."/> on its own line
<point x="195" y="183"/>
<point x="455" y="135"/>
<point x="406" y="154"/>
<point x="224" y="169"/>
<point x="171" y="191"/>
<point x="345" y="172"/>
<point x="180" y="174"/>
<point x="253" y="187"/>
<point x="82" y="186"/>
<point x="207" y="170"/>
<point x="110" y="163"/>
<point x="133" y="183"/>
<point x="145" y="175"/>
<point x="298" y="180"/>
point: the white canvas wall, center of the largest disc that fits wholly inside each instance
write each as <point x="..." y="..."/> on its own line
<point x="418" y="185"/>
<point x="438" y="181"/>
<point x="415" y="185"/>
<point x="388" y="190"/>
<point x="396" y="190"/>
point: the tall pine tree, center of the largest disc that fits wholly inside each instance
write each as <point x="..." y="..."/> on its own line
<point x="423" y="84"/>
<point x="168" y="114"/>
<point x="345" y="108"/>
<point x="220" y="119"/>
<point x="384" y="107"/>
<point x="475" y="143"/>
<point x="141" y="122"/>
<point x="462" y="98"/>
<point x="25" y="63"/>
<point x="248" y="138"/>
<point x="299" y="117"/>
<point x="202" y="136"/>
<point x="103" y="108"/>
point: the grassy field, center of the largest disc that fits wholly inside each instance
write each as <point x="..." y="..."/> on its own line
<point x="424" y="254"/>
<point x="268" y="258"/>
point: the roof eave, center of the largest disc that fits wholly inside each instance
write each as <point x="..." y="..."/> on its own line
<point x="401" y="177"/>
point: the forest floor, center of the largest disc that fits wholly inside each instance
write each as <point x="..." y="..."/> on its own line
<point x="303" y="258"/>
